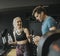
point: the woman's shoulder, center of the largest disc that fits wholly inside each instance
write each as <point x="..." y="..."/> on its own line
<point x="25" y="29"/>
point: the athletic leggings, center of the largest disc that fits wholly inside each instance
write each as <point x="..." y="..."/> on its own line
<point x="22" y="50"/>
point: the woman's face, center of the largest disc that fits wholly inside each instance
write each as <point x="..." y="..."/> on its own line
<point x="18" y="23"/>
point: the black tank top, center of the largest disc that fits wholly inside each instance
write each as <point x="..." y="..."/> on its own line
<point x="20" y="37"/>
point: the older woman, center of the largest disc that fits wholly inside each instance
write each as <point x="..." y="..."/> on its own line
<point x="21" y="37"/>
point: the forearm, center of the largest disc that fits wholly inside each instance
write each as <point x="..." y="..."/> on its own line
<point x="14" y="43"/>
<point x="52" y="28"/>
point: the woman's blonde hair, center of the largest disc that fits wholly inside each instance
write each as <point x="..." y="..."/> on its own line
<point x="14" y="21"/>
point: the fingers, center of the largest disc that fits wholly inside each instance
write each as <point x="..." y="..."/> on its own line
<point x="36" y="39"/>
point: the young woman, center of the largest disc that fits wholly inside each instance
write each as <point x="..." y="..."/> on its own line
<point x="21" y="37"/>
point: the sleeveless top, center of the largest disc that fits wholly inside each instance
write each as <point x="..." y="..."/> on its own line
<point x="21" y="37"/>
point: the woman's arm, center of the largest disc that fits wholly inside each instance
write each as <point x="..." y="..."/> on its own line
<point x="27" y="34"/>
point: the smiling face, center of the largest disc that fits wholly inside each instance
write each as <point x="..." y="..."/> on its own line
<point x="17" y="23"/>
<point x="40" y="17"/>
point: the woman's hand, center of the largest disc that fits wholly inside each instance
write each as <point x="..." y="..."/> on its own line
<point x="14" y="43"/>
<point x="30" y="38"/>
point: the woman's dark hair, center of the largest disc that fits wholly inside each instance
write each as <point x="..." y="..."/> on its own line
<point x="39" y="9"/>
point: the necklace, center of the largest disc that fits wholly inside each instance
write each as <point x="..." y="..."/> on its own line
<point x="19" y="31"/>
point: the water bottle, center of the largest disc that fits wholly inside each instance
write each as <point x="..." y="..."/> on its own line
<point x="9" y="39"/>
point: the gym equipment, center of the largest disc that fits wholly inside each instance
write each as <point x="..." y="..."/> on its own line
<point x="46" y="41"/>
